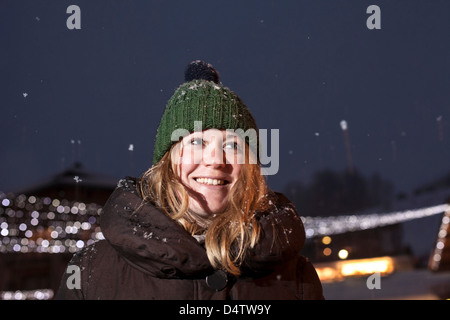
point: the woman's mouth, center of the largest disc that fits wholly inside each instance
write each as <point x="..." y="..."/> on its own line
<point x="211" y="181"/>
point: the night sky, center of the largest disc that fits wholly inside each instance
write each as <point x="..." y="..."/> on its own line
<point x="300" y="66"/>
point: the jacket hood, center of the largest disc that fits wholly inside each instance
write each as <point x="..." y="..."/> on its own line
<point x="155" y="244"/>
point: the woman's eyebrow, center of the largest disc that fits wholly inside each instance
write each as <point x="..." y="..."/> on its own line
<point x="233" y="137"/>
<point x="193" y="135"/>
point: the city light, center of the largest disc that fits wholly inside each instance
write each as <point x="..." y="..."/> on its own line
<point x="338" y="270"/>
<point x="343" y="254"/>
<point x="383" y="265"/>
<point x="442" y="238"/>
<point x="326" y="226"/>
<point x="326" y="240"/>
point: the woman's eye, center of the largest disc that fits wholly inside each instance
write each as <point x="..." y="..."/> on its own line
<point x="232" y="146"/>
<point x="197" y="141"/>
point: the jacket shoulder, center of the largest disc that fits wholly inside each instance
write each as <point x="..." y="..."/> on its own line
<point x="281" y="197"/>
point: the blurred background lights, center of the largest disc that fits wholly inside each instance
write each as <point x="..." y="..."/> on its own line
<point x="343" y="254"/>
<point x="326" y="226"/>
<point x="383" y="265"/>
<point x="326" y="240"/>
<point x="33" y="224"/>
<point x="39" y="294"/>
<point x="31" y="217"/>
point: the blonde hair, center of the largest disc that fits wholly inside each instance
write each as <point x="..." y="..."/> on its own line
<point x="231" y="233"/>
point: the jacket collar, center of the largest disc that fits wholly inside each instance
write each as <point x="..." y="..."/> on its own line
<point x="155" y="244"/>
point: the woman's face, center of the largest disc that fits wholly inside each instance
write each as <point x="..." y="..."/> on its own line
<point x="209" y="164"/>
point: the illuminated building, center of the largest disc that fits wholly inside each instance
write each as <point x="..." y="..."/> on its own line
<point x="41" y="228"/>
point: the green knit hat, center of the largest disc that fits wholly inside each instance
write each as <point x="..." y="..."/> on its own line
<point x="201" y="98"/>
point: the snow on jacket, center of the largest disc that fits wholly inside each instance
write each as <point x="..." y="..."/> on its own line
<point x="147" y="255"/>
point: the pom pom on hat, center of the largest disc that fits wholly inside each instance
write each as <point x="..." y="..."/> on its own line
<point x="201" y="70"/>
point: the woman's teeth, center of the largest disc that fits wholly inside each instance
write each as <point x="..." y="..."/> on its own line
<point x="214" y="182"/>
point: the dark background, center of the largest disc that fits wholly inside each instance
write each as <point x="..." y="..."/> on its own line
<point x="301" y="67"/>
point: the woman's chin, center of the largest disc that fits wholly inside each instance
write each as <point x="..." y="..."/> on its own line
<point x="208" y="209"/>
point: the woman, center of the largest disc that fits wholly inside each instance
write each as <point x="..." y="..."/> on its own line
<point x="201" y="223"/>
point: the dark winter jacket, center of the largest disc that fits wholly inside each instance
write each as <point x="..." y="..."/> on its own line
<point x="147" y="255"/>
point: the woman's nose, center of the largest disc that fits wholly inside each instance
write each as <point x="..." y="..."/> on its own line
<point x="214" y="156"/>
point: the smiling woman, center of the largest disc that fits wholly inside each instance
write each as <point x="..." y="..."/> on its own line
<point x="208" y="173"/>
<point x="201" y="223"/>
<point x="208" y="168"/>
